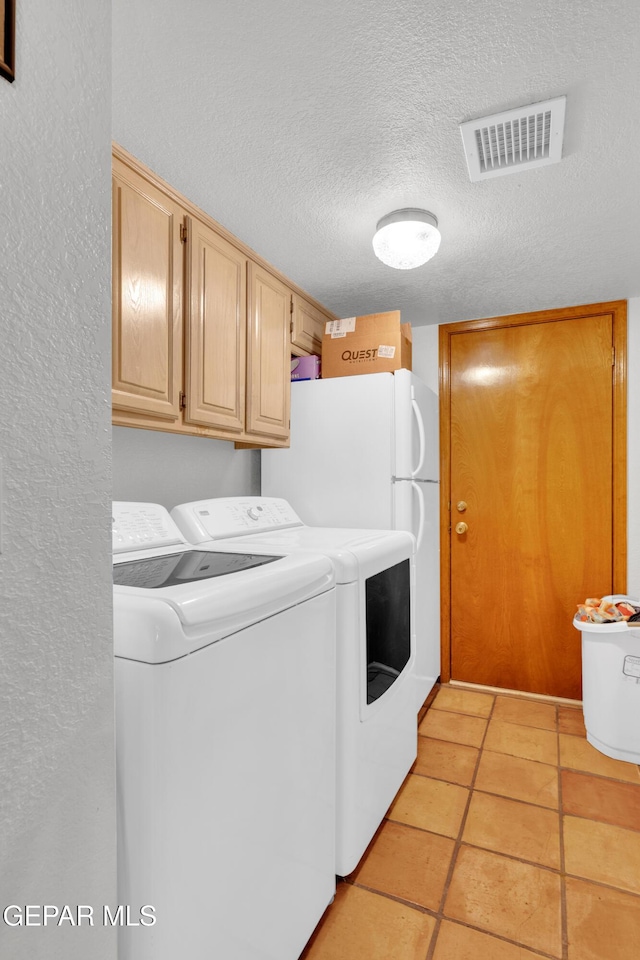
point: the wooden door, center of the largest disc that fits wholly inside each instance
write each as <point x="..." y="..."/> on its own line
<point x="216" y="331"/>
<point x="536" y="450"/>
<point x="147" y="297"/>
<point x="269" y="355"/>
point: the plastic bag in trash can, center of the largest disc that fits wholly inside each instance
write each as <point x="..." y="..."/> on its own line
<point x="606" y="610"/>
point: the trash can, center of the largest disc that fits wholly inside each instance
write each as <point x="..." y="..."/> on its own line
<point x="611" y="685"/>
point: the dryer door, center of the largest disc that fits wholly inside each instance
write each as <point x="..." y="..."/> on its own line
<point x="388" y="627"/>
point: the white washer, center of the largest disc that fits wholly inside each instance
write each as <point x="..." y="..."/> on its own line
<point x="376" y="720"/>
<point x="225" y="722"/>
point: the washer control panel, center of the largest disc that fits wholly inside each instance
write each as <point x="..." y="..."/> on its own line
<point x="233" y="517"/>
<point x="140" y="525"/>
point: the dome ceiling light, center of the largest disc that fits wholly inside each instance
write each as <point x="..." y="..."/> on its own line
<point x="406" y="238"/>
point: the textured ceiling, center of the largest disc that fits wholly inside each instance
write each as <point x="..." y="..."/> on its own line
<point x="299" y="124"/>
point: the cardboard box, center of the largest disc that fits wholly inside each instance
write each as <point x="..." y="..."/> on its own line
<point x="305" y="368"/>
<point x="377" y="343"/>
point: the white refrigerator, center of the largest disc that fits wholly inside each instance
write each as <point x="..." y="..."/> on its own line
<point x="364" y="453"/>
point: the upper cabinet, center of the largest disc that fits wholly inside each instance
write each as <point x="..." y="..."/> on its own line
<point x="147" y="297"/>
<point x="203" y="328"/>
<point x="269" y="354"/>
<point x="216" y="331"/>
<point x="307" y="326"/>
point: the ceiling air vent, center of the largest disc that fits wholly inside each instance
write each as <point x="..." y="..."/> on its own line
<point x="529" y="136"/>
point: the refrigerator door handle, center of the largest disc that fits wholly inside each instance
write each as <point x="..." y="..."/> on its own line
<point x="418" y="490"/>
<point x="420" y="423"/>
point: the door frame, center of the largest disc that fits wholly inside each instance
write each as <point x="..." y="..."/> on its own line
<point x="618" y="311"/>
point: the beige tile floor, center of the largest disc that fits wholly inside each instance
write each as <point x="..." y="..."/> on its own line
<point x="511" y="838"/>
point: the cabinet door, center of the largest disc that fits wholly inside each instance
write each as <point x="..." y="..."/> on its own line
<point x="147" y="297"/>
<point x="216" y="331"/>
<point x="269" y="355"/>
<point x="307" y="326"/>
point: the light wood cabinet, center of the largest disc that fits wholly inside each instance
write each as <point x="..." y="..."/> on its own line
<point x="147" y="297"/>
<point x="201" y="324"/>
<point x="307" y="326"/>
<point x="216" y="331"/>
<point x="269" y="359"/>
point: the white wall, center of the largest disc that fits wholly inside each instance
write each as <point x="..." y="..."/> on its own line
<point x="164" y="468"/>
<point x="425" y="365"/>
<point x="425" y="354"/>
<point x="57" y="804"/>
<point x="169" y="469"/>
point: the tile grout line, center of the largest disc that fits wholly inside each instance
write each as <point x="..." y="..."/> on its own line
<point x="426" y="911"/>
<point x="478" y="846"/>
<point x="491" y="793"/>
<point x="606" y="886"/>
<point x="597" y="776"/>
<point x="534" y="951"/>
<point x="438" y="914"/>
<point x="517" y="723"/>
<point x="458" y="842"/>
<point x="577" y="736"/>
<point x="563" y="872"/>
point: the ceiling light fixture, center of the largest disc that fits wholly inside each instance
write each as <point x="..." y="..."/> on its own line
<point x="406" y="238"/>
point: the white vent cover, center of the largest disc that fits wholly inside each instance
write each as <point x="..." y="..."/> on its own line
<point x="528" y="136"/>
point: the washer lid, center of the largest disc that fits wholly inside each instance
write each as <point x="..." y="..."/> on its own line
<point x="158" y="622"/>
<point x="188" y="566"/>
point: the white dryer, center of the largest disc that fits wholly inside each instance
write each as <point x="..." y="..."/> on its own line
<point x="376" y="719"/>
<point x="225" y="720"/>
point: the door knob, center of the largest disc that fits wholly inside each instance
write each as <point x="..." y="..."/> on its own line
<point x="462" y="527"/>
<point x="461" y="506"/>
